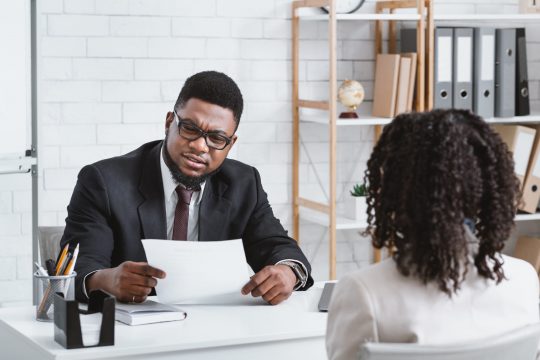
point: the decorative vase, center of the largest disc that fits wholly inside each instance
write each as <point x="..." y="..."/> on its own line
<point x="356" y="208"/>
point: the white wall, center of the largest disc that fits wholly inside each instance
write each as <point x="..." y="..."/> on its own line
<point x="111" y="69"/>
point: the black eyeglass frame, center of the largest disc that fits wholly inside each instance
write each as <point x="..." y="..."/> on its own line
<point x="202" y="133"/>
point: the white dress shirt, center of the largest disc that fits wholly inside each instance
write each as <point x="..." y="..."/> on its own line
<point x="171" y="199"/>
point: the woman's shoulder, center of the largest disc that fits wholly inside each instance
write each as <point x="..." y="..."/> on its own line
<point x="512" y="265"/>
<point x="382" y="271"/>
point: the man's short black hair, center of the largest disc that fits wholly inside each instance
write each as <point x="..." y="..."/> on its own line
<point x="213" y="87"/>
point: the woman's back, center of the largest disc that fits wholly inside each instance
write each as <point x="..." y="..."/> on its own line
<point x="442" y="195"/>
<point x="379" y="304"/>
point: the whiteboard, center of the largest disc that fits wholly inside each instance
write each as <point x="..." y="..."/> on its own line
<point x="15" y="81"/>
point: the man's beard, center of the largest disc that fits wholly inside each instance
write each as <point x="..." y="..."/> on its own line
<point x="190" y="182"/>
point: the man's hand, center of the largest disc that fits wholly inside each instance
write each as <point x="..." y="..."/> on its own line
<point x="128" y="282"/>
<point x="274" y="283"/>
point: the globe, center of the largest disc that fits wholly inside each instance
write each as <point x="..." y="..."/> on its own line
<point x="350" y="94"/>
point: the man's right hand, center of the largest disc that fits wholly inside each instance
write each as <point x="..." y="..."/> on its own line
<point x="128" y="282"/>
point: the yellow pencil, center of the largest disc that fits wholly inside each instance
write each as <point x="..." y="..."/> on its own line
<point x="61" y="260"/>
<point x="71" y="265"/>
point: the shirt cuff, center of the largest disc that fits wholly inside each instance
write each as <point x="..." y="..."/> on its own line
<point x="84" y="283"/>
<point x="300" y="284"/>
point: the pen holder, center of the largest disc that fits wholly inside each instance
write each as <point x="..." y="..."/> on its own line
<point x="67" y="323"/>
<point x="47" y="287"/>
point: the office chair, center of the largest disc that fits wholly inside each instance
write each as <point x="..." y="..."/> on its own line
<point x="519" y="344"/>
<point x="49" y="242"/>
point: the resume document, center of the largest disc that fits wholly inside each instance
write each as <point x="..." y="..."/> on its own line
<point x="210" y="272"/>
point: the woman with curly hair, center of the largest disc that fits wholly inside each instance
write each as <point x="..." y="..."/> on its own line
<point x="442" y="197"/>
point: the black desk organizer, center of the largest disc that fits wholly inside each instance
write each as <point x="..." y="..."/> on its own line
<point x="67" y="324"/>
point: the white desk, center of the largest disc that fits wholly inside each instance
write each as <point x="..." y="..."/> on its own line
<point x="291" y="330"/>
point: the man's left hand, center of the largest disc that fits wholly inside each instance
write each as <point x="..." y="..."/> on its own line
<point x="275" y="283"/>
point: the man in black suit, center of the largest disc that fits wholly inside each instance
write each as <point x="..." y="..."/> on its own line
<point x="142" y="195"/>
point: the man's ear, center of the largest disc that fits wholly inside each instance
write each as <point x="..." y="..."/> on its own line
<point x="233" y="140"/>
<point x="168" y="120"/>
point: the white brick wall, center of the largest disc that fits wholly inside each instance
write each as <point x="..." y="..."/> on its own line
<point x="118" y="47"/>
<point x="110" y="70"/>
<point x="140" y="26"/>
<point x="77" y="25"/>
<point x="102" y="69"/>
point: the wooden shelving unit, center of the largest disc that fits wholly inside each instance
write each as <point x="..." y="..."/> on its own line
<point x="325" y="213"/>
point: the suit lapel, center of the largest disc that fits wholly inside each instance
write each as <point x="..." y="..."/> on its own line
<point x="214" y="210"/>
<point x="152" y="209"/>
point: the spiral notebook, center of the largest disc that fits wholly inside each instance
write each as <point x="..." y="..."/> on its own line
<point x="148" y="312"/>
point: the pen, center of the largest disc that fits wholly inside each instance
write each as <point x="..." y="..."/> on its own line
<point x="61" y="259"/>
<point x="71" y="264"/>
<point x="65" y="263"/>
<point x="70" y="267"/>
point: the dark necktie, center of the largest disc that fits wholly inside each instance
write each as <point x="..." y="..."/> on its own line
<point x="181" y="213"/>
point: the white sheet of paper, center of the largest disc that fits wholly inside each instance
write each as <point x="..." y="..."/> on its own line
<point x="90" y="328"/>
<point x="199" y="272"/>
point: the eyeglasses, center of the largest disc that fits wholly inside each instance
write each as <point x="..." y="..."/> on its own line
<point x="191" y="132"/>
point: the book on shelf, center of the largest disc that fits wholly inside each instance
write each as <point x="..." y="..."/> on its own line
<point x="395" y="78"/>
<point x="528" y="249"/>
<point x="531" y="183"/>
<point x="148" y="312"/>
<point x="402" y="94"/>
<point x="520" y="141"/>
<point x="412" y="80"/>
<point x="386" y="85"/>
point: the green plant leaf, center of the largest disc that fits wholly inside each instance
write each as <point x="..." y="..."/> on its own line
<point x="359" y="190"/>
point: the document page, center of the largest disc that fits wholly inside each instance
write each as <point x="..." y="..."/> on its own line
<point x="210" y="272"/>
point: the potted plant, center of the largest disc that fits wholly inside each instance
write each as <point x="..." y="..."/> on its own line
<point x="356" y="204"/>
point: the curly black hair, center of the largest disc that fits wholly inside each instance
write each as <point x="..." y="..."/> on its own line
<point x="428" y="173"/>
<point x="215" y="88"/>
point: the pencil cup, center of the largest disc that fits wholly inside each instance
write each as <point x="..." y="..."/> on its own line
<point x="47" y="287"/>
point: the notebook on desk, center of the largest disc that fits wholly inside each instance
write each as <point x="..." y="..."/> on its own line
<point x="148" y="312"/>
<point x="326" y="295"/>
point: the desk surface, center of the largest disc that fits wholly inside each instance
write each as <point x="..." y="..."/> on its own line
<point x="206" y="327"/>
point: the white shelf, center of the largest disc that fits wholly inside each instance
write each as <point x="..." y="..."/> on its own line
<point x="362" y="120"/>
<point x="486" y="17"/>
<point x="372" y="120"/>
<point x="516" y="119"/>
<point x="405" y="17"/>
<point x="343" y="223"/>
<point x="436" y="17"/>
<point x="527" y="217"/>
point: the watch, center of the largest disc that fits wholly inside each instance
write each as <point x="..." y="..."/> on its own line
<point x="346" y="6"/>
<point x="301" y="276"/>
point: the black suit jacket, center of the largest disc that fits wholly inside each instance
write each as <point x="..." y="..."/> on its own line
<point x="119" y="201"/>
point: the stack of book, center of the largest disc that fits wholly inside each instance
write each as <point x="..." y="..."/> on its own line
<point x="395" y="76"/>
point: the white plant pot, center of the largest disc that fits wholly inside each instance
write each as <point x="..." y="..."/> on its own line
<point x="356" y="208"/>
